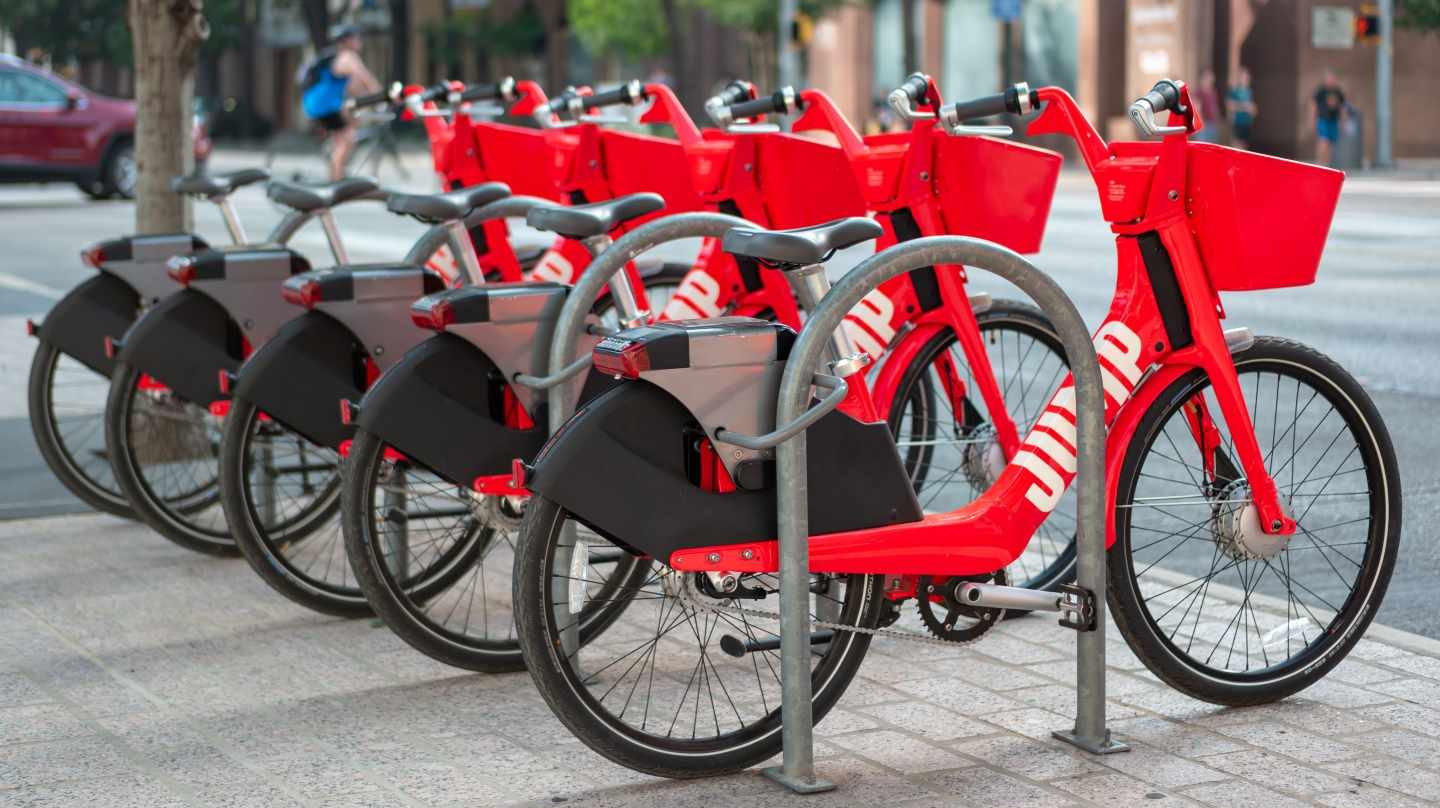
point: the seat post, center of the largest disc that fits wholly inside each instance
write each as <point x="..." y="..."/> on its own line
<point x="332" y="235"/>
<point x="631" y="315"/>
<point x="464" y="248"/>
<point x="232" y="219"/>
<point x="811" y="285"/>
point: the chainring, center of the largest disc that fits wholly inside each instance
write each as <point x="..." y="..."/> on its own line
<point x="945" y="617"/>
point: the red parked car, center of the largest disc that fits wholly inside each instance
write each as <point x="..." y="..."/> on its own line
<point x="52" y="130"/>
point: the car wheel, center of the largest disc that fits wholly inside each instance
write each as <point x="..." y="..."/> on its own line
<point x="93" y="189"/>
<point x="121" y="172"/>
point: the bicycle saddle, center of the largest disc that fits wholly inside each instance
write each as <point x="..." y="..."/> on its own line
<point x="801" y="246"/>
<point x="217" y="184"/>
<point x="306" y="198"/>
<point x="595" y="218"/>
<point x="447" y="207"/>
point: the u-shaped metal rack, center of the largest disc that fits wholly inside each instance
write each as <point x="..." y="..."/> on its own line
<point x="797" y="770"/>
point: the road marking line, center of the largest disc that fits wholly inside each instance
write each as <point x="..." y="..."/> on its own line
<point x="20" y="284"/>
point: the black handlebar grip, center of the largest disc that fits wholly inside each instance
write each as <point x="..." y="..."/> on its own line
<point x="1163" y="96"/>
<point x="982" y="107"/>
<point x="915" y="87"/>
<point x="775" y="102"/>
<point x="372" y="99"/>
<point x="735" y="92"/>
<point x="627" y="93"/>
<point x="434" y="92"/>
<point x="494" y="91"/>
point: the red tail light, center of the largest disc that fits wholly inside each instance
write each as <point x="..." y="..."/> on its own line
<point x="435" y="315"/>
<point x="348" y="412"/>
<point x="224" y="382"/>
<point x="621" y="358"/>
<point x="93" y="256"/>
<point x="305" y="293"/>
<point x="182" y="269"/>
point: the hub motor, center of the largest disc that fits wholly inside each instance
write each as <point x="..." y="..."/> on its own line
<point x="1235" y="526"/>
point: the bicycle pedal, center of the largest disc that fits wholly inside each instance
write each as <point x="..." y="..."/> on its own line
<point x="1077" y="608"/>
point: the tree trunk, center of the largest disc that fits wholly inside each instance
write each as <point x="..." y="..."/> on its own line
<point x="166" y="36"/>
<point x="675" y="23"/>
<point x="557" y="44"/>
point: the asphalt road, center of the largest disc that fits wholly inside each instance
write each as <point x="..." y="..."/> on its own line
<point x="1374" y="309"/>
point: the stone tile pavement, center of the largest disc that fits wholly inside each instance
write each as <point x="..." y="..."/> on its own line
<point x="134" y="673"/>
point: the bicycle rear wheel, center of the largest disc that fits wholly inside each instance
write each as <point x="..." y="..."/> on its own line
<point x="1209" y="602"/>
<point x="686" y="681"/>
<point x="67" y="417"/>
<point x="164" y="451"/>
<point x="280" y="494"/>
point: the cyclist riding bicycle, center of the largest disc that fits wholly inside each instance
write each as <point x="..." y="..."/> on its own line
<point x="325" y="82"/>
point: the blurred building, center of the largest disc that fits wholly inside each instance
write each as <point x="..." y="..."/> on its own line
<point x="1108" y="52"/>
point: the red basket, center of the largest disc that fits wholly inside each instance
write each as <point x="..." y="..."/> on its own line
<point x="636" y="162"/>
<point x="516" y="156"/>
<point x="995" y="189"/>
<point x="805" y="182"/>
<point x="1261" y="221"/>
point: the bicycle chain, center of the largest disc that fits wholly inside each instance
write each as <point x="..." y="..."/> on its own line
<point x="898" y="634"/>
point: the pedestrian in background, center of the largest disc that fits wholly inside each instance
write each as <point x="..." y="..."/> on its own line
<point x="1207" y="98"/>
<point x="325" y="83"/>
<point x="1240" y="104"/>
<point x="1328" y="107"/>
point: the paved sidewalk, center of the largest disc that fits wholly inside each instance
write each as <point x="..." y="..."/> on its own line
<point x="135" y="673"/>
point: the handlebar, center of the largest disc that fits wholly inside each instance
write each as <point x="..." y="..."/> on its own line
<point x="915" y="90"/>
<point x="1017" y="100"/>
<point x="433" y="93"/>
<point x="385" y="96"/>
<point x="1165" y="96"/>
<point x="781" y="102"/>
<point x="631" y="92"/>
<point x="502" y="90"/>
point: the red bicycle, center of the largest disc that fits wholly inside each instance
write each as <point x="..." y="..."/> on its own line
<point x="402" y="464"/>
<point x="1254" y="488"/>
<point x="282" y="447"/>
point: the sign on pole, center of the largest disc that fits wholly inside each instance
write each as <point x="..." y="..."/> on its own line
<point x="1332" y="27"/>
<point x="1005" y="10"/>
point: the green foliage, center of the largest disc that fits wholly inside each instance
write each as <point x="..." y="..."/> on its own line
<point x="70" y="29"/>
<point x="637" y="28"/>
<point x="520" y="33"/>
<point x="759" y="16"/>
<point x="1419" y="15"/>
<point x="630" y="28"/>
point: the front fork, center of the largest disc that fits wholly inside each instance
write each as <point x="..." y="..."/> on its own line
<point x="966" y="326"/>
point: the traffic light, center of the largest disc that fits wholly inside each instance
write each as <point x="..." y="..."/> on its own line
<point x="802" y="28"/>
<point x="1367" y="25"/>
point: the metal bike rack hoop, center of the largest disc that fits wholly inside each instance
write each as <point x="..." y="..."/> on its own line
<point x="797" y="770"/>
<point x="571" y="323"/>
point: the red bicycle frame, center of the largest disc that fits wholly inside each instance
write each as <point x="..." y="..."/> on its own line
<point x="1153" y="202"/>
<point x="926" y="183"/>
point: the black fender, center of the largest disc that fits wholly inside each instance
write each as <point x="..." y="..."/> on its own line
<point x="442" y="406"/>
<point x="619" y="466"/>
<point x="300" y="375"/>
<point x="100" y="307"/>
<point x="184" y="341"/>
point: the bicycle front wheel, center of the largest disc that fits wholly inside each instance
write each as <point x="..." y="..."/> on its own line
<point x="1212" y="604"/>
